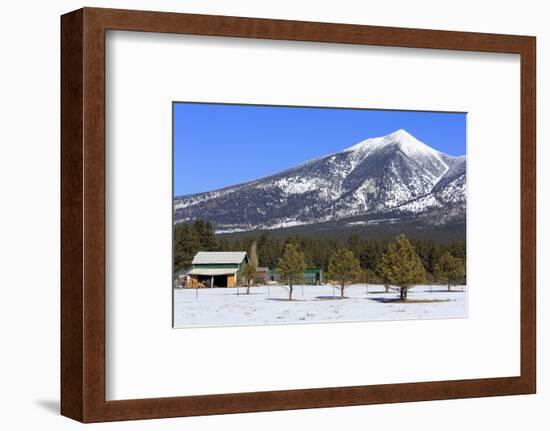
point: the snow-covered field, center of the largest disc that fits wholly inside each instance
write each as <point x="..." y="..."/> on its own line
<point x="266" y="305"/>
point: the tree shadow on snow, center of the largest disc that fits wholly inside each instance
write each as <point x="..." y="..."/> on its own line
<point x="286" y="299"/>
<point x="442" y="291"/>
<point x="329" y="297"/>
<point x="407" y="301"/>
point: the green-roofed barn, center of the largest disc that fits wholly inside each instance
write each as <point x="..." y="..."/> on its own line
<point x="216" y="268"/>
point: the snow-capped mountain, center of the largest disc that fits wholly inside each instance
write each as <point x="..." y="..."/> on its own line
<point x="393" y="176"/>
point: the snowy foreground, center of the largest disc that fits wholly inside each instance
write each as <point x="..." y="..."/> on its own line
<point x="312" y="304"/>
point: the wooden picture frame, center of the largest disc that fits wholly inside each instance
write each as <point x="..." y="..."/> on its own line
<point x="83" y="334"/>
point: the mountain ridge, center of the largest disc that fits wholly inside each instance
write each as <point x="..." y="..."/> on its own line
<point x="395" y="174"/>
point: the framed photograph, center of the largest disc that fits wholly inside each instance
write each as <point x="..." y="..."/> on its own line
<point x="268" y="215"/>
<point x="280" y="187"/>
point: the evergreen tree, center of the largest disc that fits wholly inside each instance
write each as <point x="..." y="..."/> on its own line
<point x="433" y="257"/>
<point x="355" y="245"/>
<point x="262" y="250"/>
<point x="224" y="245"/>
<point x="371" y="256"/>
<point x="186" y="245"/>
<point x="344" y="268"/>
<point x="450" y="269"/>
<point x="205" y="233"/>
<point x="401" y="265"/>
<point x="238" y="245"/>
<point x="269" y="251"/>
<point x="458" y="249"/>
<point x="291" y="267"/>
<point x="248" y="273"/>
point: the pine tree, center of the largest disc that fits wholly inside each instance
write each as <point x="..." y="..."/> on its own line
<point x="238" y="245"/>
<point x="249" y="273"/>
<point x="457" y="249"/>
<point x="291" y="267"/>
<point x="401" y="265"/>
<point x="223" y="244"/>
<point x="205" y="233"/>
<point x="354" y="244"/>
<point x="450" y="269"/>
<point x="186" y="245"/>
<point x="344" y="268"/>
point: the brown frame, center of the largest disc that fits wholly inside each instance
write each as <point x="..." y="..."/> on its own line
<point x="83" y="214"/>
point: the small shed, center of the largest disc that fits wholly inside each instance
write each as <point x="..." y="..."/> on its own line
<point x="262" y="275"/>
<point x="216" y="268"/>
<point x="312" y="276"/>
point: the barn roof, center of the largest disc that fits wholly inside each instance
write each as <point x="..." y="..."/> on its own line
<point x="205" y="257"/>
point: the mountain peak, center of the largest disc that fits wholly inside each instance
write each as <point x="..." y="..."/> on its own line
<point x="408" y="144"/>
<point x="400" y="138"/>
<point x="400" y="134"/>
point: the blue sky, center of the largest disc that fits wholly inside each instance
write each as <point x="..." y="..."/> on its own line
<point x="220" y="145"/>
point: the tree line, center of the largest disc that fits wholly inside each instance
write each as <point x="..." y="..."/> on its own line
<point x="440" y="262"/>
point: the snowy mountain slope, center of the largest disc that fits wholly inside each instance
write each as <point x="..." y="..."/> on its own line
<point x="395" y="173"/>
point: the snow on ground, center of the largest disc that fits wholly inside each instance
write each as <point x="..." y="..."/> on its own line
<point x="266" y="305"/>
